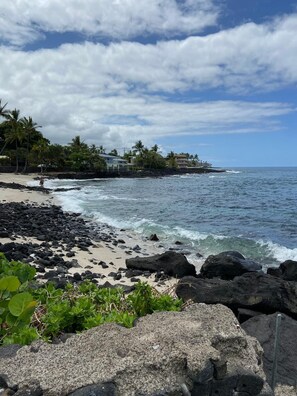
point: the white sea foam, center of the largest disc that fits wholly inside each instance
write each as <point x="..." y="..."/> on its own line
<point x="137" y="225"/>
<point x="279" y="252"/>
<point x="233" y="171"/>
<point x="103" y="197"/>
<point x="192" y="235"/>
<point x="33" y="183"/>
<point x="69" y="203"/>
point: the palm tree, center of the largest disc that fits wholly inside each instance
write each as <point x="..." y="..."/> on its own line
<point x="114" y="152"/>
<point x="76" y="143"/>
<point x="3" y="113"/>
<point x="15" y="133"/>
<point x="138" y="147"/>
<point x="41" y="149"/>
<point x="171" y="160"/>
<point x="155" y="148"/>
<point x="30" y="130"/>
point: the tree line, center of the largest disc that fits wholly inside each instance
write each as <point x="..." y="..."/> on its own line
<point x="23" y="145"/>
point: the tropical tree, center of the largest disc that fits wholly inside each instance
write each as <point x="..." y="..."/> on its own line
<point x="15" y="133"/>
<point x="128" y="155"/>
<point x="31" y="134"/>
<point x="77" y="144"/>
<point x="114" y="152"/>
<point x="171" y="161"/>
<point x="150" y="160"/>
<point x="83" y="157"/>
<point x="40" y="151"/>
<point x="57" y="155"/>
<point x="138" y="147"/>
<point x="79" y="154"/>
<point x="3" y="113"/>
<point x="155" y="148"/>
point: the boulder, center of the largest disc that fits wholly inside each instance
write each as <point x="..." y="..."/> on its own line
<point x="202" y="350"/>
<point x="287" y="270"/>
<point x="171" y="263"/>
<point x="227" y="265"/>
<point x="263" y="328"/>
<point x="256" y="291"/>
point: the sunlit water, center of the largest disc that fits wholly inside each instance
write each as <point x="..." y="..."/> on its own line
<point x="251" y="210"/>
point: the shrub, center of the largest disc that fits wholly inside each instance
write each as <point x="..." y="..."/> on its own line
<point x="29" y="310"/>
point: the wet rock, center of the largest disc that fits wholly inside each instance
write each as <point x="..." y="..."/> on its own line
<point x="255" y="291"/>
<point x="287" y="270"/>
<point x="153" y="237"/>
<point x="172" y="263"/>
<point x="227" y="265"/>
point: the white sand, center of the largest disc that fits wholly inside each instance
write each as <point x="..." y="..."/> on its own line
<point x="12" y="195"/>
<point x="114" y="256"/>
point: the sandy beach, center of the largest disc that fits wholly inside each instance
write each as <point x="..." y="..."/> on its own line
<point x="114" y="255"/>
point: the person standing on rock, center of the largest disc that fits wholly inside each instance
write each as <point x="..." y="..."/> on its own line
<point x="41" y="182"/>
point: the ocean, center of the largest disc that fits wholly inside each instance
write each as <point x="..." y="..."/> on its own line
<point x="251" y="210"/>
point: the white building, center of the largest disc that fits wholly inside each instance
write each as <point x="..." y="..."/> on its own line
<point x="113" y="162"/>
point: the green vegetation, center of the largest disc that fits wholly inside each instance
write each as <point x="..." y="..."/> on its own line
<point x="22" y="145"/>
<point x="29" y="311"/>
<point x="16" y="302"/>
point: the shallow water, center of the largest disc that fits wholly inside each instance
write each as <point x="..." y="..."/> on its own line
<point x="252" y="210"/>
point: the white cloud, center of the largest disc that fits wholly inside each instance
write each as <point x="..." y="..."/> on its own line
<point x="104" y="92"/>
<point x="24" y="21"/>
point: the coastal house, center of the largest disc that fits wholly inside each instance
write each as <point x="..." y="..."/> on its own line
<point x="114" y="163"/>
<point x="181" y="160"/>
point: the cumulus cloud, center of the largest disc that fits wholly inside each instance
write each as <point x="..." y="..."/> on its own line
<point x="251" y="56"/>
<point x="118" y="93"/>
<point x="24" y="21"/>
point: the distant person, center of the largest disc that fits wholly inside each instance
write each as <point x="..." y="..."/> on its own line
<point x="41" y="182"/>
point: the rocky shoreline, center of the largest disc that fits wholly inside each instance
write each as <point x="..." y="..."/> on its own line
<point x="203" y="350"/>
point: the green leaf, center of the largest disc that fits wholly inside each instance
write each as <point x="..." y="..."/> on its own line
<point x="5" y="295"/>
<point x="25" y="273"/>
<point x="27" y="313"/>
<point x="10" y="320"/>
<point x="19" y="303"/>
<point x="10" y="283"/>
<point x="24" y="286"/>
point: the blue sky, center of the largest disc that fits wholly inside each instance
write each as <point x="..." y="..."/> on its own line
<point x="212" y="77"/>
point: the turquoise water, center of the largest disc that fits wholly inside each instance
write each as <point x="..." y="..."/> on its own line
<point x="251" y="210"/>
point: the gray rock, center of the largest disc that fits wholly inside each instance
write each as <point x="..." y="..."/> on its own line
<point x="172" y="263"/>
<point x="263" y="328"/>
<point x="7" y="351"/>
<point x="256" y="291"/>
<point x="202" y="347"/>
<point x="227" y="265"/>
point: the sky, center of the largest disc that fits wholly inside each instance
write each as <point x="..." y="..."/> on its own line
<point x="212" y="77"/>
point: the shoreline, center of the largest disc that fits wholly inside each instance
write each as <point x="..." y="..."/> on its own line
<point x="107" y="245"/>
<point x="79" y="249"/>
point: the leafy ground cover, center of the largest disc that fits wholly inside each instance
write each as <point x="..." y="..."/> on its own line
<point x="30" y="311"/>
